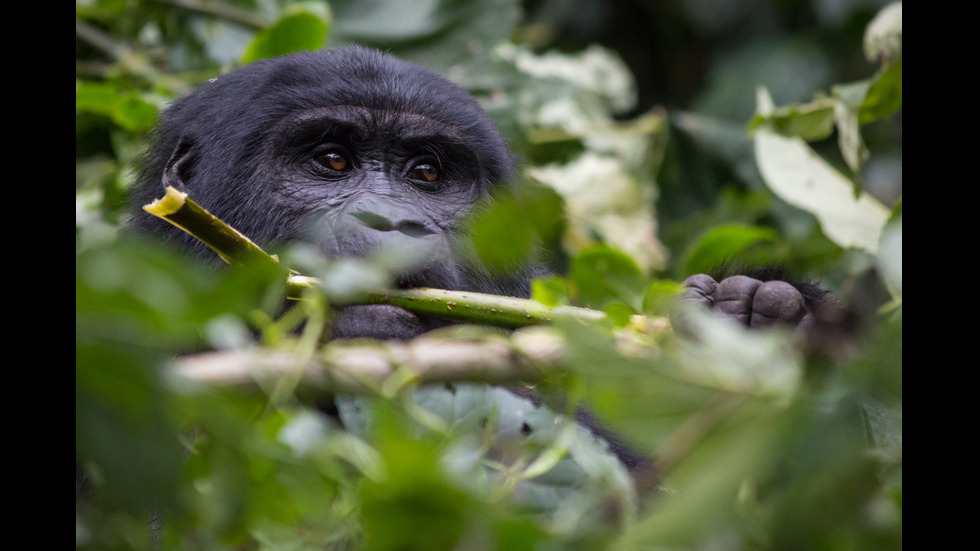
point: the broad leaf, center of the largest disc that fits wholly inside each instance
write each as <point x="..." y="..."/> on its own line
<point x="800" y="177"/>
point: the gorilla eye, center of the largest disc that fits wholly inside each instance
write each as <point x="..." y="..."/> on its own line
<point x="425" y="172"/>
<point x="334" y="161"/>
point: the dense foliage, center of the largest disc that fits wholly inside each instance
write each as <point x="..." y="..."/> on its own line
<point x="785" y="149"/>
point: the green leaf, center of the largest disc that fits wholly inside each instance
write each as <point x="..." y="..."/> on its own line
<point x="124" y="437"/>
<point x="602" y="274"/>
<point x="619" y="313"/>
<point x="850" y="106"/>
<point x="505" y="235"/>
<point x="884" y="96"/>
<point x="127" y="109"/>
<point x="660" y="296"/>
<point x="133" y="113"/>
<point x="810" y="121"/>
<point x="721" y="244"/>
<point x="303" y="26"/>
<point x="795" y="173"/>
<point x="95" y="97"/>
<point x="550" y="291"/>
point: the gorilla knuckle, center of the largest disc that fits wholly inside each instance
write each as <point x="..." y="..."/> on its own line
<point x="778" y="301"/>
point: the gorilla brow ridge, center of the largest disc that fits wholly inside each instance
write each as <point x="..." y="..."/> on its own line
<point x="346" y="124"/>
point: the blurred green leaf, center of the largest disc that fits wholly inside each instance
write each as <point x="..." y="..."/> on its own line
<point x="95" y="98"/>
<point x="141" y="293"/>
<point x="810" y="121"/>
<point x="134" y="114"/>
<point x="301" y="26"/>
<point x="659" y="297"/>
<point x="550" y="291"/>
<point x="884" y="96"/>
<point x="506" y="235"/>
<point x="127" y="109"/>
<point x="721" y="245"/>
<point x="125" y="439"/>
<point x="414" y="508"/>
<point x="601" y="274"/>
<point x="619" y="313"/>
<point x="702" y="507"/>
<point x="503" y="236"/>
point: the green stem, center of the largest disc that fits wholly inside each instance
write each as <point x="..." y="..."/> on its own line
<point x="463" y="306"/>
<point x="233" y="247"/>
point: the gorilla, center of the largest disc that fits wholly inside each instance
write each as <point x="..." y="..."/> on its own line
<point x="350" y="151"/>
<point x="353" y="151"/>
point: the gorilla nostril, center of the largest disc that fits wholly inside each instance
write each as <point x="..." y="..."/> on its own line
<point x="414" y="229"/>
<point x="378" y="222"/>
<point x="373" y="221"/>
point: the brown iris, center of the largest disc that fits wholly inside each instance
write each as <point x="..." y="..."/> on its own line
<point x="426" y="172"/>
<point x="334" y="161"/>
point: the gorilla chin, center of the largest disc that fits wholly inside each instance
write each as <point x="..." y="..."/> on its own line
<point x="379" y="321"/>
<point x="382" y="321"/>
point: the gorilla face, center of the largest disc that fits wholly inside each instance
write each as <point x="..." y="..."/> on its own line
<point x="349" y="150"/>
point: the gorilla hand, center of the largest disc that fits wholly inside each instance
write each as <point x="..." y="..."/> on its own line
<point x="752" y="302"/>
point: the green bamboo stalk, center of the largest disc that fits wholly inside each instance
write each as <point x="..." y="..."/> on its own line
<point x="181" y="211"/>
<point x="463" y="306"/>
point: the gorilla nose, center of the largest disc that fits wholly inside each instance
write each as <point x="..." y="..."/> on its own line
<point x="380" y="222"/>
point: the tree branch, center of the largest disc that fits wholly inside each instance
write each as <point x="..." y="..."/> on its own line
<point x="360" y="366"/>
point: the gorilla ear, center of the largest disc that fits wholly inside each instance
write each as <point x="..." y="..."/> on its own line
<point x="178" y="168"/>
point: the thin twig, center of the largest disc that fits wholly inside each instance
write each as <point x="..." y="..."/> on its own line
<point x="224" y="11"/>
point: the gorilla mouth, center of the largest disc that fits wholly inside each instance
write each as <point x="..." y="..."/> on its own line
<point x="380" y="321"/>
<point x="437" y="275"/>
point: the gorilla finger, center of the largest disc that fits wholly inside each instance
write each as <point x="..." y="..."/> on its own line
<point x="699" y="289"/>
<point x="734" y="297"/>
<point x="777" y="302"/>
